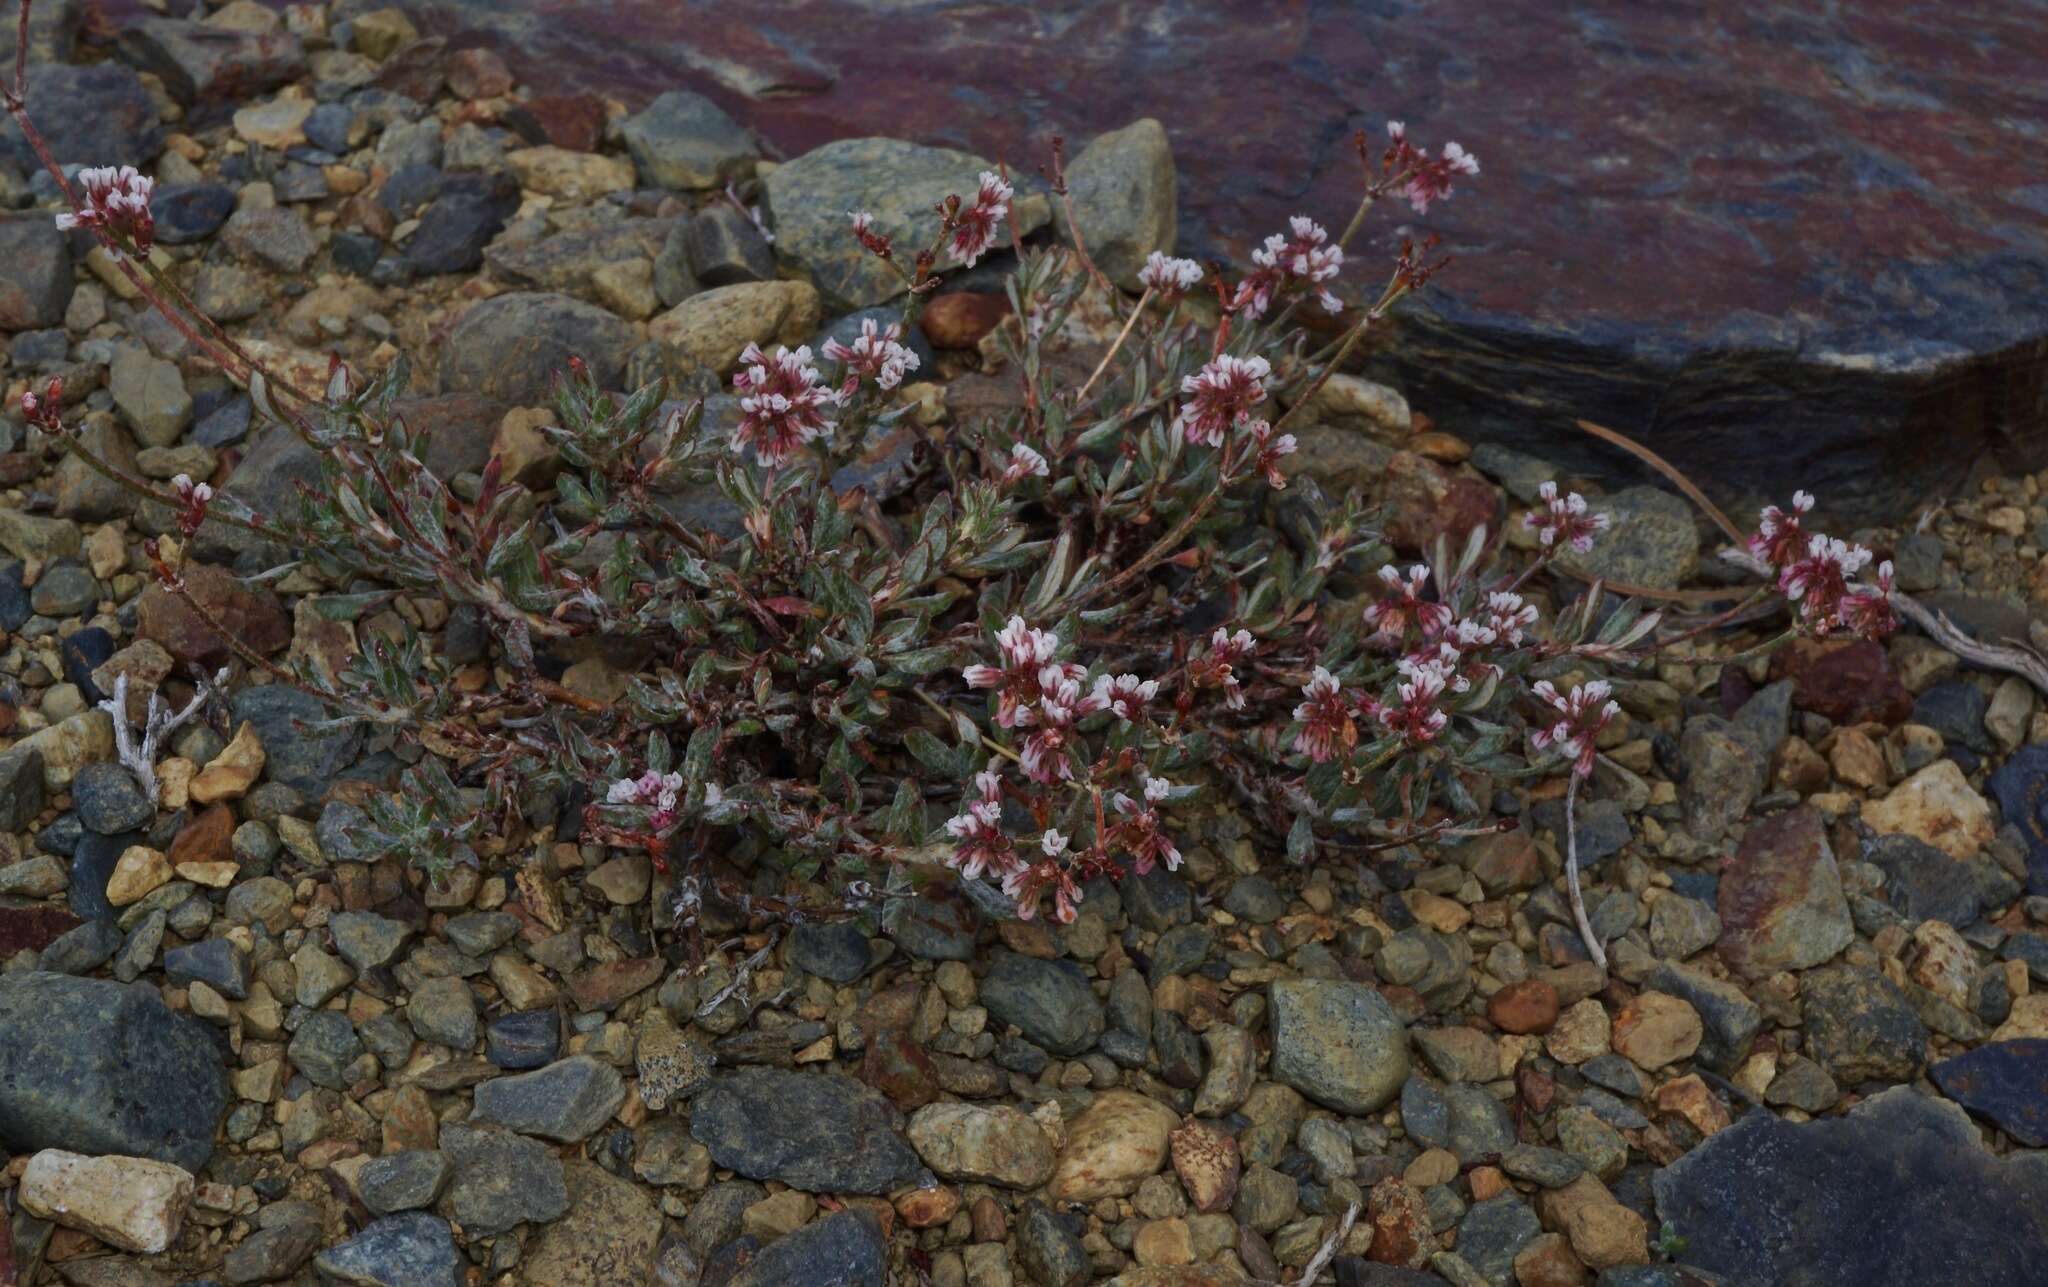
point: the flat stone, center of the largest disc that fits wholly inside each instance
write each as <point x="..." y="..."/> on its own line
<point x="1860" y="1027"/>
<point x="1936" y="805"/>
<point x="413" y="1249"/>
<point x="684" y="140"/>
<point x="1780" y="899"/>
<point x="1895" y="1193"/>
<point x="35" y="274"/>
<point x="2021" y="788"/>
<point x="133" y="1203"/>
<point x="526" y="1039"/>
<point x="502" y="1179"/>
<point x="845" y="1249"/>
<point x="813" y="1131"/>
<point x="2006" y="1081"/>
<point x="1121" y="1138"/>
<point x="94" y="1066"/>
<point x="206" y="64"/>
<point x="403" y="1181"/>
<point x="608" y="1236"/>
<point x="564" y="1101"/>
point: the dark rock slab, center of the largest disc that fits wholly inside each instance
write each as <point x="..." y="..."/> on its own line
<point x="2006" y="1081"/>
<point x="564" y="1101"/>
<point x="1860" y="1027"/>
<point x="298" y="750"/>
<point x="35" y="273"/>
<point x="1923" y="883"/>
<point x="511" y="347"/>
<point x="1896" y="1193"/>
<point x="97" y="114"/>
<point x="845" y="1249"/>
<point x="95" y="1067"/>
<point x="502" y="1179"/>
<point x="409" y="1250"/>
<point x="2021" y="788"/>
<point x="812" y="1131"/>
<point x="209" y="66"/>
<point x="31" y="929"/>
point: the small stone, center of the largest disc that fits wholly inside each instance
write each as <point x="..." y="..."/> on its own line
<point x="1937" y="806"/>
<point x="131" y="1203"/>
<point x="508" y="348"/>
<point x="151" y="394"/>
<point x="1655" y="1030"/>
<point x="501" y="1179"/>
<point x="989" y="1144"/>
<point x="1122" y="191"/>
<point x="565" y="1101"/>
<point x="412" y="1249"/>
<point x="1579" y="1034"/>
<point x="1120" y="1139"/>
<point x="1529" y="1006"/>
<point x="1050" y="1001"/>
<point x="709" y="330"/>
<point x="1860" y="1027"/>
<point x="1341" y="1044"/>
<point x="139" y="871"/>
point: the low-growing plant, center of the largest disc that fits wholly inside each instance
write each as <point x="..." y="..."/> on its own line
<point x="1086" y="611"/>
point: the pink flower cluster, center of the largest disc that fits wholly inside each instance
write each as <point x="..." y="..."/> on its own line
<point x="782" y="403"/>
<point x="975" y="227"/>
<point x="1564" y="520"/>
<point x="1220" y="397"/>
<point x="877" y="354"/>
<point x="1304" y="257"/>
<point x="977" y="831"/>
<point x="1219" y="666"/>
<point x="193" y="499"/>
<point x="660" y="792"/>
<point x="1403" y="603"/>
<point x="875" y="243"/>
<point x="1325" y="719"/>
<point x="1428" y="178"/>
<point x="115" y="200"/>
<point x="1168" y="276"/>
<point x="1581" y="716"/>
<point x="1816" y="572"/>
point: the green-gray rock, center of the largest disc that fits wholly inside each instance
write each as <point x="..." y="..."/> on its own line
<point x="1340" y="1044"/>
<point x="1651" y="540"/>
<point x="898" y="183"/>
<point x="1123" y="189"/>
<point x="686" y="141"/>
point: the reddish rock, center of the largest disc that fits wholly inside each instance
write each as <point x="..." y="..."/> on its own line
<point x="960" y="320"/>
<point x="1425" y="500"/>
<point x="254" y="617"/>
<point x="207" y="838"/>
<point x="417" y="71"/>
<point x="1205" y="1157"/>
<point x="899" y="1068"/>
<point x="572" y="121"/>
<point x="1547" y="1261"/>
<point x="32" y="929"/>
<point x="1525" y="1007"/>
<point x="1780" y="898"/>
<point x="602" y="987"/>
<point x="1504" y="862"/>
<point x="478" y="73"/>
<point x="1400" y="1225"/>
<point x="1849" y="680"/>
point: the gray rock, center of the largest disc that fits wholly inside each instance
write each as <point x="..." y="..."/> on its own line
<point x="1897" y="1192"/>
<point x="1922" y="882"/>
<point x="276" y="238"/>
<point x="674" y="280"/>
<point x="89" y="114"/>
<point x="42" y="876"/>
<point x="1723" y="776"/>
<point x="481" y="933"/>
<point x="685" y="141"/>
<point x="725" y="247"/>
<point x="21" y="788"/>
<point x="714" y="1219"/>
<point x="1652" y="540"/>
<point x="202" y="63"/>
<point x="833" y="950"/>
<point x="1050" y="1001"/>
<point x="298" y="752"/>
<point x="216" y="962"/>
<point x="899" y="183"/>
<point x="1681" y="926"/>
<point x="35" y="273"/>
<point x="1493" y="1232"/>
<point x="564" y="261"/>
<point x="109" y="801"/>
<point x="151" y="393"/>
<point x="845" y="1249"/>
<point x="1480" y="1125"/>
<point x="528" y="1039"/>
<point x="1860" y="1027"/>
<point x="404" y="1181"/>
<point x="409" y="1250"/>
<point x="502" y="1179"/>
<point x="1124" y="192"/>
<point x="324" y="1047"/>
<point x="443" y="1011"/>
<point x="1547" y="1167"/>
<point x="509" y="347"/>
<point x="1050" y="1252"/>
<point x="98" y="1067"/>
<point x="82" y="949"/>
<point x="457" y="227"/>
<point x="366" y="940"/>
<point x="68" y="589"/>
<point x="1255" y="899"/>
<point x="1339" y="1043"/>
<point x="815" y="1131"/>
<point x="564" y="1101"/>
<point x="271" y="1254"/>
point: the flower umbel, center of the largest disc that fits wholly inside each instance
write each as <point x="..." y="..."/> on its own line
<point x="1221" y="396"/>
<point x="1581" y="716"/>
<point x="115" y="200"/>
<point x="974" y="227"/>
<point x="1168" y="276"/>
<point x="876" y="354"/>
<point x="782" y="404"/>
<point x="1564" y="520"/>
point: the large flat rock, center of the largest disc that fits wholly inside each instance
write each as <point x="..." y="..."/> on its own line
<point x="1897" y="1193"/>
<point x="1784" y="242"/>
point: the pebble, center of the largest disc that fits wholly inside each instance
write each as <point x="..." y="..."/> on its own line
<point x="132" y="1203"/>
